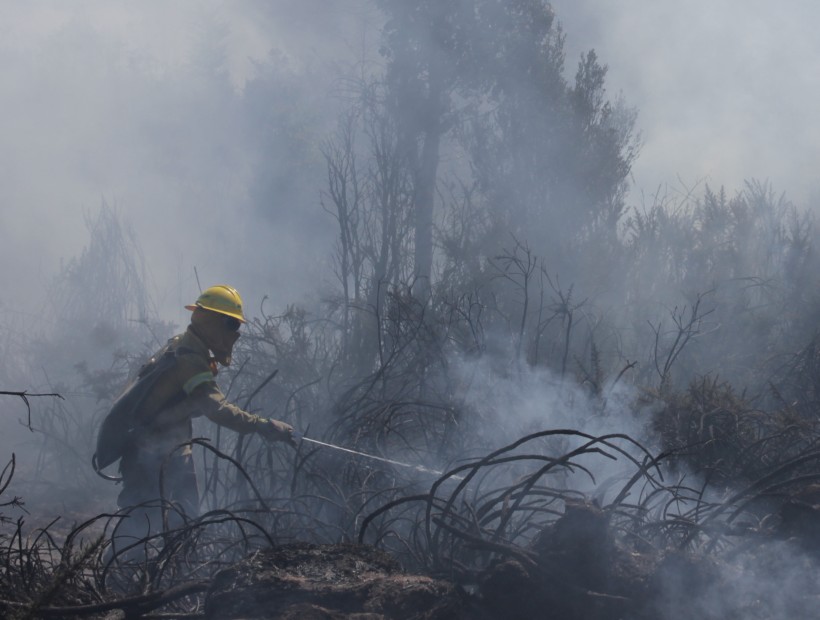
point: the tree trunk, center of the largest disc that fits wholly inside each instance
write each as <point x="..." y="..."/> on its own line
<point x="425" y="189"/>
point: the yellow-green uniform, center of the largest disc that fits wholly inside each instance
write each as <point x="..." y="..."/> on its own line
<point x="186" y="390"/>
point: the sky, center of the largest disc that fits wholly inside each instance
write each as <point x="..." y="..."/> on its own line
<point x="124" y="103"/>
<point x="726" y="91"/>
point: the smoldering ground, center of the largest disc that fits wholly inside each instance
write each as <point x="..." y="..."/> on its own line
<point x="562" y="311"/>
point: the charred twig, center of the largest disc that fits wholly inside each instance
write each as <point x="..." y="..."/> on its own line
<point x="205" y="443"/>
<point x="136" y="605"/>
<point x="25" y="396"/>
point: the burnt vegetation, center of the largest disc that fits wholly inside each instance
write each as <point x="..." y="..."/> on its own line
<point x="606" y="410"/>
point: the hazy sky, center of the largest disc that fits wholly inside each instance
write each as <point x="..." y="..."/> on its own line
<point x="726" y="90"/>
<point x="119" y="101"/>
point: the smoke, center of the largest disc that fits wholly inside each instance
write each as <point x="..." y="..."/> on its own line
<point x="518" y="399"/>
<point x="201" y="125"/>
<point x="167" y="117"/>
<point x="165" y="112"/>
<point x="145" y="107"/>
<point x="771" y="580"/>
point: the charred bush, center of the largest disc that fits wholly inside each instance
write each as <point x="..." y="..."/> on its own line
<point x="711" y="429"/>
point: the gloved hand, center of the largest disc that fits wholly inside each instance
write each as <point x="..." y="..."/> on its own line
<point x="274" y="430"/>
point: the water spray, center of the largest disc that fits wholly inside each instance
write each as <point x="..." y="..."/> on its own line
<point x="300" y="437"/>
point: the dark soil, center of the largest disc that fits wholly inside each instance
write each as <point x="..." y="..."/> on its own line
<point x="329" y="582"/>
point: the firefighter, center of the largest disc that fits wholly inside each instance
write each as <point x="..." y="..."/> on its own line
<point x="150" y="423"/>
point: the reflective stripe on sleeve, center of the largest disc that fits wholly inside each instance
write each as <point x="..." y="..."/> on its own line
<point x="195" y="381"/>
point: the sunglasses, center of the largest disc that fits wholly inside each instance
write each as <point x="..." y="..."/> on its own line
<point x="231" y="324"/>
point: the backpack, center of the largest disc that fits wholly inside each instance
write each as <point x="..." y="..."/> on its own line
<point x="125" y="420"/>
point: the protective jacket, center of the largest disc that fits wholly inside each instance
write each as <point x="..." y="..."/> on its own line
<point x="188" y="390"/>
<point x="160" y="420"/>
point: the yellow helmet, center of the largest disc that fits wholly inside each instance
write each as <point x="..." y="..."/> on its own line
<point x="222" y="299"/>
